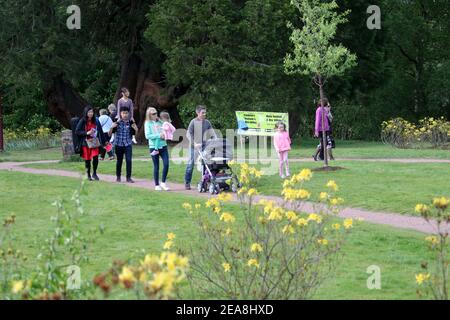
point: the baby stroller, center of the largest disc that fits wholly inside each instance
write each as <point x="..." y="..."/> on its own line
<point x="213" y="165"/>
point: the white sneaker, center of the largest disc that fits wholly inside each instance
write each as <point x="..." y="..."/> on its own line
<point x="282" y="176"/>
<point x="158" y="188"/>
<point x="134" y="140"/>
<point x="165" y="187"/>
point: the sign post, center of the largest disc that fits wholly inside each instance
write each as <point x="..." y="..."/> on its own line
<point x="262" y="124"/>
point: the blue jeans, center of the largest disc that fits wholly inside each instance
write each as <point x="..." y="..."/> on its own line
<point x="120" y="152"/>
<point x="193" y="154"/>
<point x="164" y="154"/>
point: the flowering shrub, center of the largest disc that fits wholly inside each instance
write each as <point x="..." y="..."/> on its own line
<point x="26" y="139"/>
<point x="403" y="134"/>
<point x="154" y="277"/>
<point x="269" y="250"/>
<point x="433" y="280"/>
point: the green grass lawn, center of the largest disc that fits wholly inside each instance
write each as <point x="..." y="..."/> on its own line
<point x="383" y="186"/>
<point x="139" y="219"/>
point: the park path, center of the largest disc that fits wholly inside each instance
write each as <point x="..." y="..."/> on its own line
<point x="383" y="218"/>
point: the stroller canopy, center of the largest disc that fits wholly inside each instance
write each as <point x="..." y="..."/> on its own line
<point x="218" y="150"/>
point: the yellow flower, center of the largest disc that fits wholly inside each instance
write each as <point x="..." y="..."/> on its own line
<point x="256" y="247"/>
<point x="228" y="231"/>
<point x="348" y="223"/>
<point x="302" y="222"/>
<point x="336" y="201"/>
<point x="17" y="286"/>
<point x="291" y="216"/>
<point x="421" y="277"/>
<point x="242" y="190"/>
<point x="163" y="281"/>
<point x="187" y="206"/>
<point x="336" y="226"/>
<point x="198" y="206"/>
<point x="288" y="229"/>
<point x="305" y="175"/>
<point x="217" y="210"/>
<point x="322" y="241"/>
<point x="441" y="203"/>
<point x="227" y="217"/>
<point x="276" y="214"/>
<point x="213" y="202"/>
<point x="225" y="197"/>
<point x="252" y="192"/>
<point x="293" y="194"/>
<point x="253" y="262"/>
<point x="127" y="276"/>
<point x="323" y="196"/>
<point x="168" y="245"/>
<point x="226" y="267"/>
<point x="433" y="239"/>
<point x="421" y="208"/>
<point x="315" y="217"/>
<point x="332" y="184"/>
<point x="150" y="261"/>
<point x="171" y="236"/>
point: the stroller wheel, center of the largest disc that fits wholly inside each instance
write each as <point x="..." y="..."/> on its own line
<point x="200" y="187"/>
<point x="212" y="188"/>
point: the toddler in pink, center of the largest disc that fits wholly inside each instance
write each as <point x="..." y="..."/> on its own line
<point x="167" y="128"/>
<point x="282" y="143"/>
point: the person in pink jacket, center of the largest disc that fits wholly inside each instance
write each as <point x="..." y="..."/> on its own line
<point x="282" y="143"/>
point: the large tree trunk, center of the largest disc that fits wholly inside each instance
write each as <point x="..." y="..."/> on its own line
<point x="63" y="101"/>
<point x="146" y="91"/>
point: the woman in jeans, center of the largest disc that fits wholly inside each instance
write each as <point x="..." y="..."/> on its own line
<point x="156" y="140"/>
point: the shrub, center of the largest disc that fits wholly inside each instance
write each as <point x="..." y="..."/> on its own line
<point x="269" y="250"/>
<point x="24" y="139"/>
<point x="433" y="280"/>
<point x="429" y="132"/>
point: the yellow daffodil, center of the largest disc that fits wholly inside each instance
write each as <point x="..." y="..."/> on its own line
<point x="171" y="236"/>
<point x="422" y="277"/>
<point x="348" y="223"/>
<point x="441" y="203"/>
<point x="323" y="242"/>
<point x="315" y="217"/>
<point x="226" y="267"/>
<point x="187" y="206"/>
<point x="276" y="214"/>
<point x="127" y="276"/>
<point x="421" y="208"/>
<point x="253" y="262"/>
<point x="323" y="196"/>
<point x="256" y="247"/>
<point x="168" y="245"/>
<point x="251" y="192"/>
<point x="225" y="197"/>
<point x="227" y="217"/>
<point x="291" y="216"/>
<point x="332" y="185"/>
<point x="432" y="239"/>
<point x="17" y="286"/>
<point x="288" y="229"/>
<point x="336" y="226"/>
<point x="302" y="222"/>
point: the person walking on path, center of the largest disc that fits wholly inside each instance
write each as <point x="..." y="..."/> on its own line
<point x="198" y="132"/>
<point x="90" y="134"/>
<point x="123" y="130"/>
<point x="156" y="137"/>
<point x="126" y="103"/>
<point x="282" y="143"/>
<point x="320" y="129"/>
<point x="106" y="123"/>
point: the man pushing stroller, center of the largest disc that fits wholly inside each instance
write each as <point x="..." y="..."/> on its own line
<point x="199" y="131"/>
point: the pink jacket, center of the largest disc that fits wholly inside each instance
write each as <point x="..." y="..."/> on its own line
<point x="318" y="127"/>
<point x="169" y="130"/>
<point x="282" y="142"/>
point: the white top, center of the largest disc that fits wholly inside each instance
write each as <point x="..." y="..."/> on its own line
<point x="105" y="122"/>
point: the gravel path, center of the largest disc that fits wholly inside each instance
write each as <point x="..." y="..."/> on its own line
<point x="383" y="218"/>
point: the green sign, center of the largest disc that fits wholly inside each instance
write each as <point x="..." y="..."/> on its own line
<point x="253" y="123"/>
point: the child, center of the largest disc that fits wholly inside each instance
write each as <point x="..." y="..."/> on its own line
<point x="282" y="143"/>
<point x="125" y="103"/>
<point x="106" y="123"/>
<point x="123" y="129"/>
<point x="167" y="128"/>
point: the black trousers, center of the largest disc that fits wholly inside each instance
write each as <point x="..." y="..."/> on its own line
<point x="120" y="153"/>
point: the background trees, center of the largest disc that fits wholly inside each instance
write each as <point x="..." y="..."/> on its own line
<point x="227" y="54"/>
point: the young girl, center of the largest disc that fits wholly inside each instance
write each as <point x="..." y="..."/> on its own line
<point x="328" y="128"/>
<point x="167" y="128"/>
<point x="125" y="103"/>
<point x="282" y="143"/>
